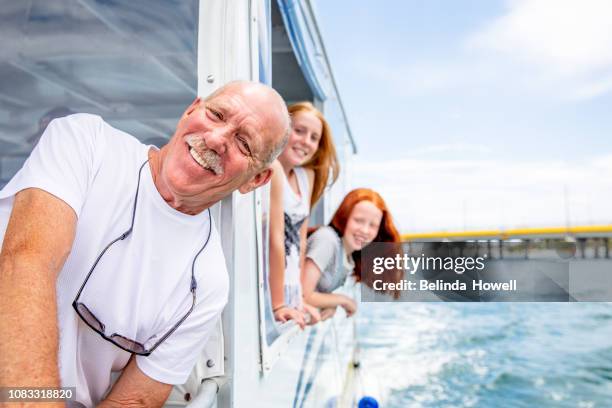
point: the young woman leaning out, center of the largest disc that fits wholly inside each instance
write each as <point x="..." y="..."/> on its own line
<point x="301" y="174"/>
<point x="334" y="251"/>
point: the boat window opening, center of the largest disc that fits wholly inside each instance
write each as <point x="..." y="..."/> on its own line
<point x="287" y="76"/>
<point x="300" y="71"/>
<point x="133" y="63"/>
<point x="289" y="81"/>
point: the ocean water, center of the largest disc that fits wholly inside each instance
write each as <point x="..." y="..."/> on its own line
<point x="487" y="354"/>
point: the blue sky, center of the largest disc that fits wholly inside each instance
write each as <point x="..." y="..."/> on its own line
<point x="478" y="114"/>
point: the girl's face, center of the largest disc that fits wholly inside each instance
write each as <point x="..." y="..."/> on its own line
<point x="362" y="226"/>
<point x="306" y="130"/>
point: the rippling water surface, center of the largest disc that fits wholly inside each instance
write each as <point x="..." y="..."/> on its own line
<point x="488" y="354"/>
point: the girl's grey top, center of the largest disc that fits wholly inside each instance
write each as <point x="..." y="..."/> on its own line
<point x="327" y="252"/>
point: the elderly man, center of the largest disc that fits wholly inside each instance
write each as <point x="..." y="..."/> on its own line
<point x="110" y="260"/>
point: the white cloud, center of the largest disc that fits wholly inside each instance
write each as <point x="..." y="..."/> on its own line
<point x="426" y="195"/>
<point x="552" y="47"/>
<point x="573" y="34"/>
<point x="563" y="39"/>
<point x="555" y="47"/>
<point x="603" y="162"/>
<point x="593" y="88"/>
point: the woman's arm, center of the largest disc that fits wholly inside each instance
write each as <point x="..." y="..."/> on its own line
<point x="332" y="300"/>
<point x="277" y="237"/>
<point x="277" y="250"/>
<point x="310" y="277"/>
<point x="304" y="228"/>
<point x="310" y="309"/>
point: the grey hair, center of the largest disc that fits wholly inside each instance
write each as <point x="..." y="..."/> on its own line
<point x="279" y="146"/>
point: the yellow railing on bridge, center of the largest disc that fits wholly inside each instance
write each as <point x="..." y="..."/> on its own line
<point x="579" y="231"/>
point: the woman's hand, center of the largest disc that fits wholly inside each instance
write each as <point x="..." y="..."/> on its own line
<point x="327" y="313"/>
<point x="284" y="313"/>
<point x="315" y="316"/>
<point x="349" y="305"/>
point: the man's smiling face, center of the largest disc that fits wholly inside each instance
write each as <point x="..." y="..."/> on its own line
<point x="223" y="143"/>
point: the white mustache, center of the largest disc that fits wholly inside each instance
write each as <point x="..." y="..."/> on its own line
<point x="210" y="157"/>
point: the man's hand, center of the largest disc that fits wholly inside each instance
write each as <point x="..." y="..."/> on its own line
<point x="37" y="242"/>
<point x="285" y="313"/>
<point x="135" y="389"/>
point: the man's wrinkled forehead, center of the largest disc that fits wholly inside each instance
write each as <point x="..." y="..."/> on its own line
<point x="252" y="108"/>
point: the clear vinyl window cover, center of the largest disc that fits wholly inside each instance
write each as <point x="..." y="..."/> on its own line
<point x="133" y="63"/>
<point x="271" y="330"/>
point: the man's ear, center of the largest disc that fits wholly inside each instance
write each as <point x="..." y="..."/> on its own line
<point x="192" y="107"/>
<point x="257" y="180"/>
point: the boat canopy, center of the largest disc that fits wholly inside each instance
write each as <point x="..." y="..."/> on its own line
<point x="308" y="49"/>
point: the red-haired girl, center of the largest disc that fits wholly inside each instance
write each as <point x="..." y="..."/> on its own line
<point x="334" y="251"/>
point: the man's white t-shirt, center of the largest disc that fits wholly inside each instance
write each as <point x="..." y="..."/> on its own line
<point x="141" y="286"/>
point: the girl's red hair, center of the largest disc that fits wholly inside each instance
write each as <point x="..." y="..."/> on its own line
<point x="387" y="231"/>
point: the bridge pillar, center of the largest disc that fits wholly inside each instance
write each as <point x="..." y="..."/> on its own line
<point x="607" y="247"/>
<point x="489" y="249"/>
<point x="526" y="241"/>
<point x="501" y="249"/>
<point x="582" y="246"/>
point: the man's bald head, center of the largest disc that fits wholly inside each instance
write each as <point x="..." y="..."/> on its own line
<point x="277" y="119"/>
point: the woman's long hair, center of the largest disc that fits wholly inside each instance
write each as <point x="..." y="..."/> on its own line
<point x="325" y="160"/>
<point x="387" y="232"/>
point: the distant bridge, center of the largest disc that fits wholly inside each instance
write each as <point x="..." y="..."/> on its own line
<point x="595" y="236"/>
<point x="582" y="231"/>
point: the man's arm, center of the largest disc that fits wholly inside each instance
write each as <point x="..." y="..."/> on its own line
<point x="135" y="389"/>
<point x="37" y="242"/>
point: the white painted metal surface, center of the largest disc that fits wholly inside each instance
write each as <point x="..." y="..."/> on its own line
<point x="299" y="369"/>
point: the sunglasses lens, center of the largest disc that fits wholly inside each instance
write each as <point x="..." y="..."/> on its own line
<point x="128" y="344"/>
<point x="89" y="317"/>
